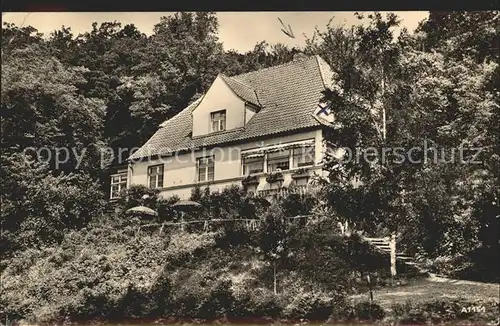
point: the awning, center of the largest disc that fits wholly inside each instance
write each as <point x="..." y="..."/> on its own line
<point x="253" y="155"/>
<point x="276" y="148"/>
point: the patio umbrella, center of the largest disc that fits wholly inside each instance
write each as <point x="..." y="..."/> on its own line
<point x="184" y="206"/>
<point x="142" y="210"/>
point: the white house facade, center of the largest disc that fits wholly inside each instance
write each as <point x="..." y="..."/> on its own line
<point x="263" y="130"/>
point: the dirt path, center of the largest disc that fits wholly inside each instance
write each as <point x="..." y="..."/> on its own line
<point x="433" y="288"/>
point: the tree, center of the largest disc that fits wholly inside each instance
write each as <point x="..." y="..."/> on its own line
<point x="185" y="54"/>
<point x="275" y="238"/>
<point x="41" y="109"/>
<point x="14" y="37"/>
<point x="51" y="138"/>
<point x="39" y="205"/>
<point x="461" y="34"/>
<point x="388" y="94"/>
<point x="367" y="66"/>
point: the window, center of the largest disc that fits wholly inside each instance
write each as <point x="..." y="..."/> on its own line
<point x="278" y="160"/>
<point x="155" y="176"/>
<point x="118" y="183"/>
<point x="218" y="120"/>
<point x="253" y="165"/>
<point x="303" y="156"/>
<point x="205" y="167"/>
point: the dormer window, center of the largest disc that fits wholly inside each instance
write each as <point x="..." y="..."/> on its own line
<point x="218" y="120"/>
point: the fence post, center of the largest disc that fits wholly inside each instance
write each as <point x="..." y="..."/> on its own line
<point x="182" y="221"/>
<point x="392" y="245"/>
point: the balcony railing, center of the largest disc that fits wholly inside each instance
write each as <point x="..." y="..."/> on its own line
<point x="283" y="192"/>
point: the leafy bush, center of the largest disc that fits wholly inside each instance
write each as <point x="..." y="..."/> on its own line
<point x="202" y="293"/>
<point x="84" y="276"/>
<point x="368" y="311"/>
<point x="332" y="260"/>
<point x="475" y="265"/>
<point x="298" y="204"/>
<point x="313" y="305"/>
<point x="236" y="234"/>
<point x="39" y="206"/>
<point x="140" y="195"/>
<point x="256" y="304"/>
<point x="231" y="203"/>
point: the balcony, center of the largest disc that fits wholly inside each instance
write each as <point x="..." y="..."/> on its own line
<point x="283" y="192"/>
<point x="280" y="183"/>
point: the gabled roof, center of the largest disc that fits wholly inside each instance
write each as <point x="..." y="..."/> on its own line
<point x="288" y="95"/>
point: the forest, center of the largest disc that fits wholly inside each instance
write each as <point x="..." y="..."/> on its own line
<point x="67" y="258"/>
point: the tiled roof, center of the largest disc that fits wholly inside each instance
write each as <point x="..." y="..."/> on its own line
<point x="241" y="89"/>
<point x="288" y="95"/>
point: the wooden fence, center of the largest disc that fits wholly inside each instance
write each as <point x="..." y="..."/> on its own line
<point x="384" y="244"/>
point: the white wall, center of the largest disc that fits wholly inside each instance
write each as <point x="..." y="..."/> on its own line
<point x="181" y="170"/>
<point x="249" y="113"/>
<point x="218" y="97"/>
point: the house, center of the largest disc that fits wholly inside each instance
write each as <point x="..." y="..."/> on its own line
<point x="263" y="129"/>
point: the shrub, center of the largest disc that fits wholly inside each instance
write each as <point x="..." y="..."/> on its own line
<point x="235" y="234"/>
<point x="184" y="246"/>
<point x="298" y="204"/>
<point x="365" y="311"/>
<point x="311" y="305"/>
<point x="303" y="298"/>
<point x="219" y="302"/>
<point x="39" y="206"/>
<point x="202" y="293"/>
<point x="256" y="304"/>
<point x="138" y="195"/>
<point x="330" y="259"/>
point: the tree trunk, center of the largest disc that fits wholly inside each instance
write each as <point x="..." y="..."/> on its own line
<point x="370" y="286"/>
<point x="274" y="274"/>
<point x="384" y="127"/>
<point x="393" y="254"/>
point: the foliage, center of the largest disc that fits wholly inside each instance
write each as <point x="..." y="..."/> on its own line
<point x="17" y="37"/>
<point x="140" y="195"/>
<point x="308" y="301"/>
<point x="368" y="311"/>
<point x="84" y="275"/>
<point x="298" y="204"/>
<point x="39" y="206"/>
<point x="115" y="270"/>
<point x="66" y="261"/>
<point x="435" y="99"/>
<point x="41" y="108"/>
<point x="232" y="202"/>
<point x="334" y="261"/>
<point x="275" y="235"/>
<point x="250" y="179"/>
<point x="274" y="177"/>
<point x="462" y="34"/>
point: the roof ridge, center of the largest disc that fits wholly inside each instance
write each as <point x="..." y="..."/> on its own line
<point x="246" y="85"/>
<point x="289" y="63"/>
<point x="320" y="70"/>
<point x="238" y="81"/>
<point x="226" y="78"/>
<point x="323" y="66"/>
